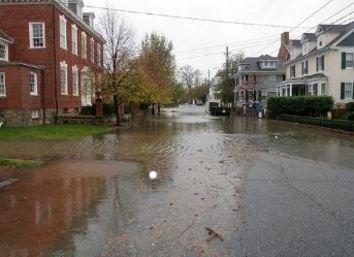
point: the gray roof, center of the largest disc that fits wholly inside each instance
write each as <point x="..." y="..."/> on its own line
<point x="331" y="27"/>
<point x="253" y="63"/>
<point x="295" y="42"/>
<point x="341" y="29"/>
<point x="309" y="37"/>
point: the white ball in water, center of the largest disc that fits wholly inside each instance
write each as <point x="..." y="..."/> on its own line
<point x="153" y="175"/>
<point x="276" y="137"/>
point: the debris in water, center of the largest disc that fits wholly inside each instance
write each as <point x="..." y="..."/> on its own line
<point x="153" y="175"/>
<point x="276" y="137"/>
<point x="214" y="235"/>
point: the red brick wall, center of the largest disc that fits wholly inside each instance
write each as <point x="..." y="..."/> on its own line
<point x="14" y="20"/>
<point x="18" y="89"/>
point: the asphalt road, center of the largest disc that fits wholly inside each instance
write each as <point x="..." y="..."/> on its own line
<point x="296" y="207"/>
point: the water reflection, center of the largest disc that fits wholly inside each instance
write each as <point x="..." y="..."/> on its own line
<point x="96" y="198"/>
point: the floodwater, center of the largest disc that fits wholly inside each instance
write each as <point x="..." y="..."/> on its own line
<point x="95" y="198"/>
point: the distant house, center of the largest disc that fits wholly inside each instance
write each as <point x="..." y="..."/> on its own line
<point x="256" y="78"/>
<point x="321" y="63"/>
<point x="47" y="50"/>
<point x="214" y="90"/>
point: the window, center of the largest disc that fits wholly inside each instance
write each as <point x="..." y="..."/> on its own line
<point x="75" y="80"/>
<point x="33" y="83"/>
<point x="323" y="89"/>
<point x="99" y="54"/>
<point x="63" y="78"/>
<point x="92" y="50"/>
<point x="4" y="52"/>
<point x="348" y="91"/>
<point x="292" y="71"/>
<point x="63" y="40"/>
<point x="319" y="42"/>
<point x="74" y="39"/>
<point x="349" y="61"/>
<point x="320" y="63"/>
<point x="2" y="84"/>
<point x="37" y="35"/>
<point x="305" y="67"/>
<point x="83" y="45"/>
<point x="304" y="48"/>
<point x="35" y="115"/>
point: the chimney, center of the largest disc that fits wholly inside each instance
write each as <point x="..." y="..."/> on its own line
<point x="285" y="38"/>
<point x="89" y="18"/>
<point x="76" y="6"/>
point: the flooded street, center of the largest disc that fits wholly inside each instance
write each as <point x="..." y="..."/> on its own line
<point x="267" y="188"/>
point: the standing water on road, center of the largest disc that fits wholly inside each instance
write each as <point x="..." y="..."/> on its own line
<point x="95" y="197"/>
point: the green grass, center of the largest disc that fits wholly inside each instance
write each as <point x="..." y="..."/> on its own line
<point x="20" y="164"/>
<point x="50" y="132"/>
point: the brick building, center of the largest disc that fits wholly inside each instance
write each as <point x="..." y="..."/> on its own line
<point x="48" y="49"/>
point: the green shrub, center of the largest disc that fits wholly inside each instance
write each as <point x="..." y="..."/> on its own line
<point x="350" y="116"/>
<point x="87" y="110"/>
<point x="108" y="109"/>
<point x="300" y="105"/>
<point x="349" y="107"/>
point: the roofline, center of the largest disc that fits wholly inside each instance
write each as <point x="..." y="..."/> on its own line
<point x="61" y="7"/>
<point x="15" y="63"/>
<point x="261" y="72"/>
<point x="9" y="41"/>
<point x="343" y="37"/>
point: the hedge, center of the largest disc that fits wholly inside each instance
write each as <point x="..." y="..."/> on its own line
<point x="351" y="116"/>
<point x="315" y="121"/>
<point x="300" y="105"/>
<point x="108" y="109"/>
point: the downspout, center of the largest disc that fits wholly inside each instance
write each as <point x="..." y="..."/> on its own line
<point x="55" y="68"/>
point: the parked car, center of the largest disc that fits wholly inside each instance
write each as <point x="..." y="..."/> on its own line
<point x="199" y="103"/>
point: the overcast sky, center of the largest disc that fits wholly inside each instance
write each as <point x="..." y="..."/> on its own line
<point x="202" y="44"/>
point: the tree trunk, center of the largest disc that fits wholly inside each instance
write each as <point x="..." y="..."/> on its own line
<point x="117" y="110"/>
<point x="158" y="108"/>
<point x="153" y="109"/>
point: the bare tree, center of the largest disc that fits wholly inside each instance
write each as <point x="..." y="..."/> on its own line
<point x="190" y="77"/>
<point x="119" y="52"/>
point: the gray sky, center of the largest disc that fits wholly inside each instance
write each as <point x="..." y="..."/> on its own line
<point x="202" y="44"/>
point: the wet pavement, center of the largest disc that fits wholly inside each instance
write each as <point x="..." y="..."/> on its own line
<point x="267" y="188"/>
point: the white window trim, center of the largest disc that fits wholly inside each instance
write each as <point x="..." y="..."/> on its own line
<point x="6" y="51"/>
<point x="35" y="93"/>
<point x="31" y="35"/>
<point x="99" y="54"/>
<point x="4" y="94"/>
<point x="351" y="91"/>
<point x="74" y="30"/>
<point x="346" y="57"/>
<point x="64" y="44"/>
<point x="83" y="53"/>
<point x="64" y="65"/>
<point x="76" y="71"/>
<point x="92" y="50"/>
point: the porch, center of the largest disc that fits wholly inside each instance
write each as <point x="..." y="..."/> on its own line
<point x="303" y="88"/>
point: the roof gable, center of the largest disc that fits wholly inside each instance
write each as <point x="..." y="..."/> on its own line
<point x="348" y="40"/>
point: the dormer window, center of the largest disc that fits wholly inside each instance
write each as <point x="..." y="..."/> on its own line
<point x="4" y="52"/>
<point x="304" y="48"/>
<point x="268" y="64"/>
<point x="319" y="42"/>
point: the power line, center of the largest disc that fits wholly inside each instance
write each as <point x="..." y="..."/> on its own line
<point x="251" y="41"/>
<point x="312" y="14"/>
<point x="299" y="24"/>
<point x="194" y="18"/>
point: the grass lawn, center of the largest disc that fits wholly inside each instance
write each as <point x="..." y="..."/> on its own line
<point x="50" y="132"/>
<point x="20" y="164"/>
